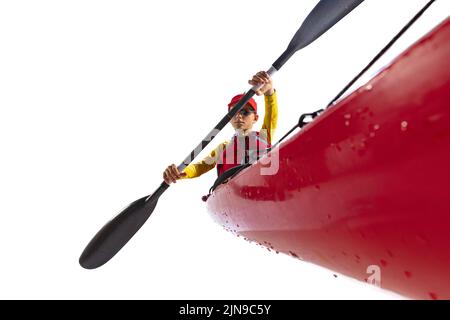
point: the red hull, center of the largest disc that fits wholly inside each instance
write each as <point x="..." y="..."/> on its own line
<point x="365" y="184"/>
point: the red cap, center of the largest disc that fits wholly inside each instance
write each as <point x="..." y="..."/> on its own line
<point x="236" y="99"/>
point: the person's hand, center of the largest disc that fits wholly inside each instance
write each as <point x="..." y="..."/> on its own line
<point x="263" y="78"/>
<point x="171" y="174"/>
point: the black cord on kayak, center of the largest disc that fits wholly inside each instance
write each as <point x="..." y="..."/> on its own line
<point x="382" y="52"/>
<point x="301" y="122"/>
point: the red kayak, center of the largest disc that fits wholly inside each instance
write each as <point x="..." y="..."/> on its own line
<point x="362" y="190"/>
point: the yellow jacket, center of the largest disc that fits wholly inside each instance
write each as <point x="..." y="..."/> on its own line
<point x="270" y="123"/>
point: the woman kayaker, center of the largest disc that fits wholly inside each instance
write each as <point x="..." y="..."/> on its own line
<point x="245" y="145"/>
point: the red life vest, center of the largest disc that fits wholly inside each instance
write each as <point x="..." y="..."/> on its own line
<point x="240" y="150"/>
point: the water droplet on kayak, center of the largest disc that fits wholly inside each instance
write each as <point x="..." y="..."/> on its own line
<point x="376" y="127"/>
<point x="348" y="116"/>
<point x="268" y="249"/>
<point x="277" y="252"/>
<point x="357" y="257"/>
<point x="347" y="123"/>
<point x="237" y="225"/>
<point x="369" y="87"/>
<point x="404" y="126"/>
<point x="435" y="117"/>
<point x="433" y="296"/>
<point x="335" y="275"/>
<point x="390" y="254"/>
<point x="372" y="135"/>
<point x="293" y="254"/>
<point x="383" y="263"/>
<point x="408" y="274"/>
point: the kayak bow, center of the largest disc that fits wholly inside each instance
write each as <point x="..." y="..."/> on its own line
<point x="364" y="187"/>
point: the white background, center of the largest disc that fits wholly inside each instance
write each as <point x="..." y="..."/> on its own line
<point x="98" y="97"/>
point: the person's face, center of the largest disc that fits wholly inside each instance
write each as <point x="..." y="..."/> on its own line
<point x="244" y="119"/>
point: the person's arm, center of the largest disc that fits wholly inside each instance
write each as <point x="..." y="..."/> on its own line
<point x="270" y="117"/>
<point x="270" y="100"/>
<point x="195" y="170"/>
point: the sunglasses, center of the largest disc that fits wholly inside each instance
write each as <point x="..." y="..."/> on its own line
<point x="244" y="112"/>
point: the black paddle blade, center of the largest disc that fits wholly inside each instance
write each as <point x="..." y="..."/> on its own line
<point x="324" y="16"/>
<point x="117" y="232"/>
